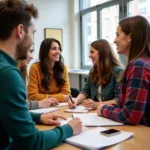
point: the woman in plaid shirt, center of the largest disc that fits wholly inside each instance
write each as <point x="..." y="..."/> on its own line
<point x="133" y="40"/>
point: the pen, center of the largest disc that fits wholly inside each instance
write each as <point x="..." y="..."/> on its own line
<point x="72" y="116"/>
<point x="71" y="99"/>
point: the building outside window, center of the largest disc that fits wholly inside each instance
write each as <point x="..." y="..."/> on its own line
<point x="99" y="19"/>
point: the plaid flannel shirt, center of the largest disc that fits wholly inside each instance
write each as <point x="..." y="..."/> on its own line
<point x="134" y="104"/>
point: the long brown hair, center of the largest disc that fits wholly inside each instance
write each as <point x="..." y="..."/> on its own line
<point x="23" y="70"/>
<point x="45" y="64"/>
<point x="101" y="72"/>
<point x="139" y="29"/>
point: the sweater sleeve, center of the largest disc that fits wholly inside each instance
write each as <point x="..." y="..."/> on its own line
<point x="134" y="99"/>
<point x="65" y="89"/>
<point x="18" y="121"/>
<point x="32" y="104"/>
<point x="33" y="86"/>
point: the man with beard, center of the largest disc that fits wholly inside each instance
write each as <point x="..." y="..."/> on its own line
<point x="17" y="127"/>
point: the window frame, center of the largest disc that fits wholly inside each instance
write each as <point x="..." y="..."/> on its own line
<point x="122" y="13"/>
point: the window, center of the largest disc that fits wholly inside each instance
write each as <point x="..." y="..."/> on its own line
<point x="90" y="33"/>
<point x="109" y="24"/>
<point x="91" y="3"/>
<point x="139" y="7"/>
<point x="99" y="19"/>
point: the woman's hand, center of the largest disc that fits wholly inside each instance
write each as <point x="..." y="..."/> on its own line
<point x="51" y="119"/>
<point x="47" y="102"/>
<point x="72" y="105"/>
<point x="89" y="103"/>
<point x="99" y="108"/>
<point x="66" y="98"/>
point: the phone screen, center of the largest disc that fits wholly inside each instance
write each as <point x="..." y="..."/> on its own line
<point x="110" y="132"/>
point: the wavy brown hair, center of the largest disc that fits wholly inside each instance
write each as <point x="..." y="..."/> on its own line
<point x="45" y="64"/>
<point x="100" y="73"/>
<point x="139" y="30"/>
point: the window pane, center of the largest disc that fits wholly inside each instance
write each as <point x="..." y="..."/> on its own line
<point x="90" y="3"/>
<point x="89" y="32"/>
<point x="110" y="19"/>
<point x="139" y="7"/>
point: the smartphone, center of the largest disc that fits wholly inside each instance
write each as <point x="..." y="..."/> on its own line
<point x="110" y="132"/>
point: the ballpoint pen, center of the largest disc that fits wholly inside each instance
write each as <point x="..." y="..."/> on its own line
<point x="71" y="99"/>
<point x="72" y="116"/>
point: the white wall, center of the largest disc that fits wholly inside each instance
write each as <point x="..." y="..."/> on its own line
<point x="62" y="14"/>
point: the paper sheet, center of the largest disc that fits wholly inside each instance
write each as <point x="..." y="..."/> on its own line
<point x="45" y="110"/>
<point x="93" y="140"/>
<point x="62" y="104"/>
<point x="63" y="122"/>
<point x="92" y="119"/>
<point x="78" y="109"/>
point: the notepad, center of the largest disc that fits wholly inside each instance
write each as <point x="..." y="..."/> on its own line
<point x="62" y="104"/>
<point x="45" y="110"/>
<point x="78" y="109"/>
<point x="63" y="122"/>
<point x="93" y="140"/>
<point x="92" y="119"/>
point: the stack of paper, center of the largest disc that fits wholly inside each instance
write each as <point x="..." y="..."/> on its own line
<point x="45" y="110"/>
<point x="92" y="119"/>
<point x="78" y="109"/>
<point x="93" y="140"/>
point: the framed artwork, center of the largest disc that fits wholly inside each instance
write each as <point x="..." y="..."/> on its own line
<point x="53" y="33"/>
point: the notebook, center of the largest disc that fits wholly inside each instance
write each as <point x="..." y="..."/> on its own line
<point x="45" y="110"/>
<point x="92" y="119"/>
<point x="78" y="109"/>
<point x="93" y="140"/>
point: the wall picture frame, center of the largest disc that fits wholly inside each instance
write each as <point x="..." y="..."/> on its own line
<point x="54" y="33"/>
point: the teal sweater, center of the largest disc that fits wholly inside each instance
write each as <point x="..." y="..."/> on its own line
<point x="17" y="127"/>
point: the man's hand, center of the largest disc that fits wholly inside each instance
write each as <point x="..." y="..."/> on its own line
<point x="76" y="125"/>
<point x="51" y="119"/>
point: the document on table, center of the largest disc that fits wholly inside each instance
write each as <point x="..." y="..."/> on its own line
<point x="62" y="104"/>
<point x="63" y="122"/>
<point x="92" y="119"/>
<point x="78" y="109"/>
<point x="45" y="110"/>
<point x="92" y="139"/>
